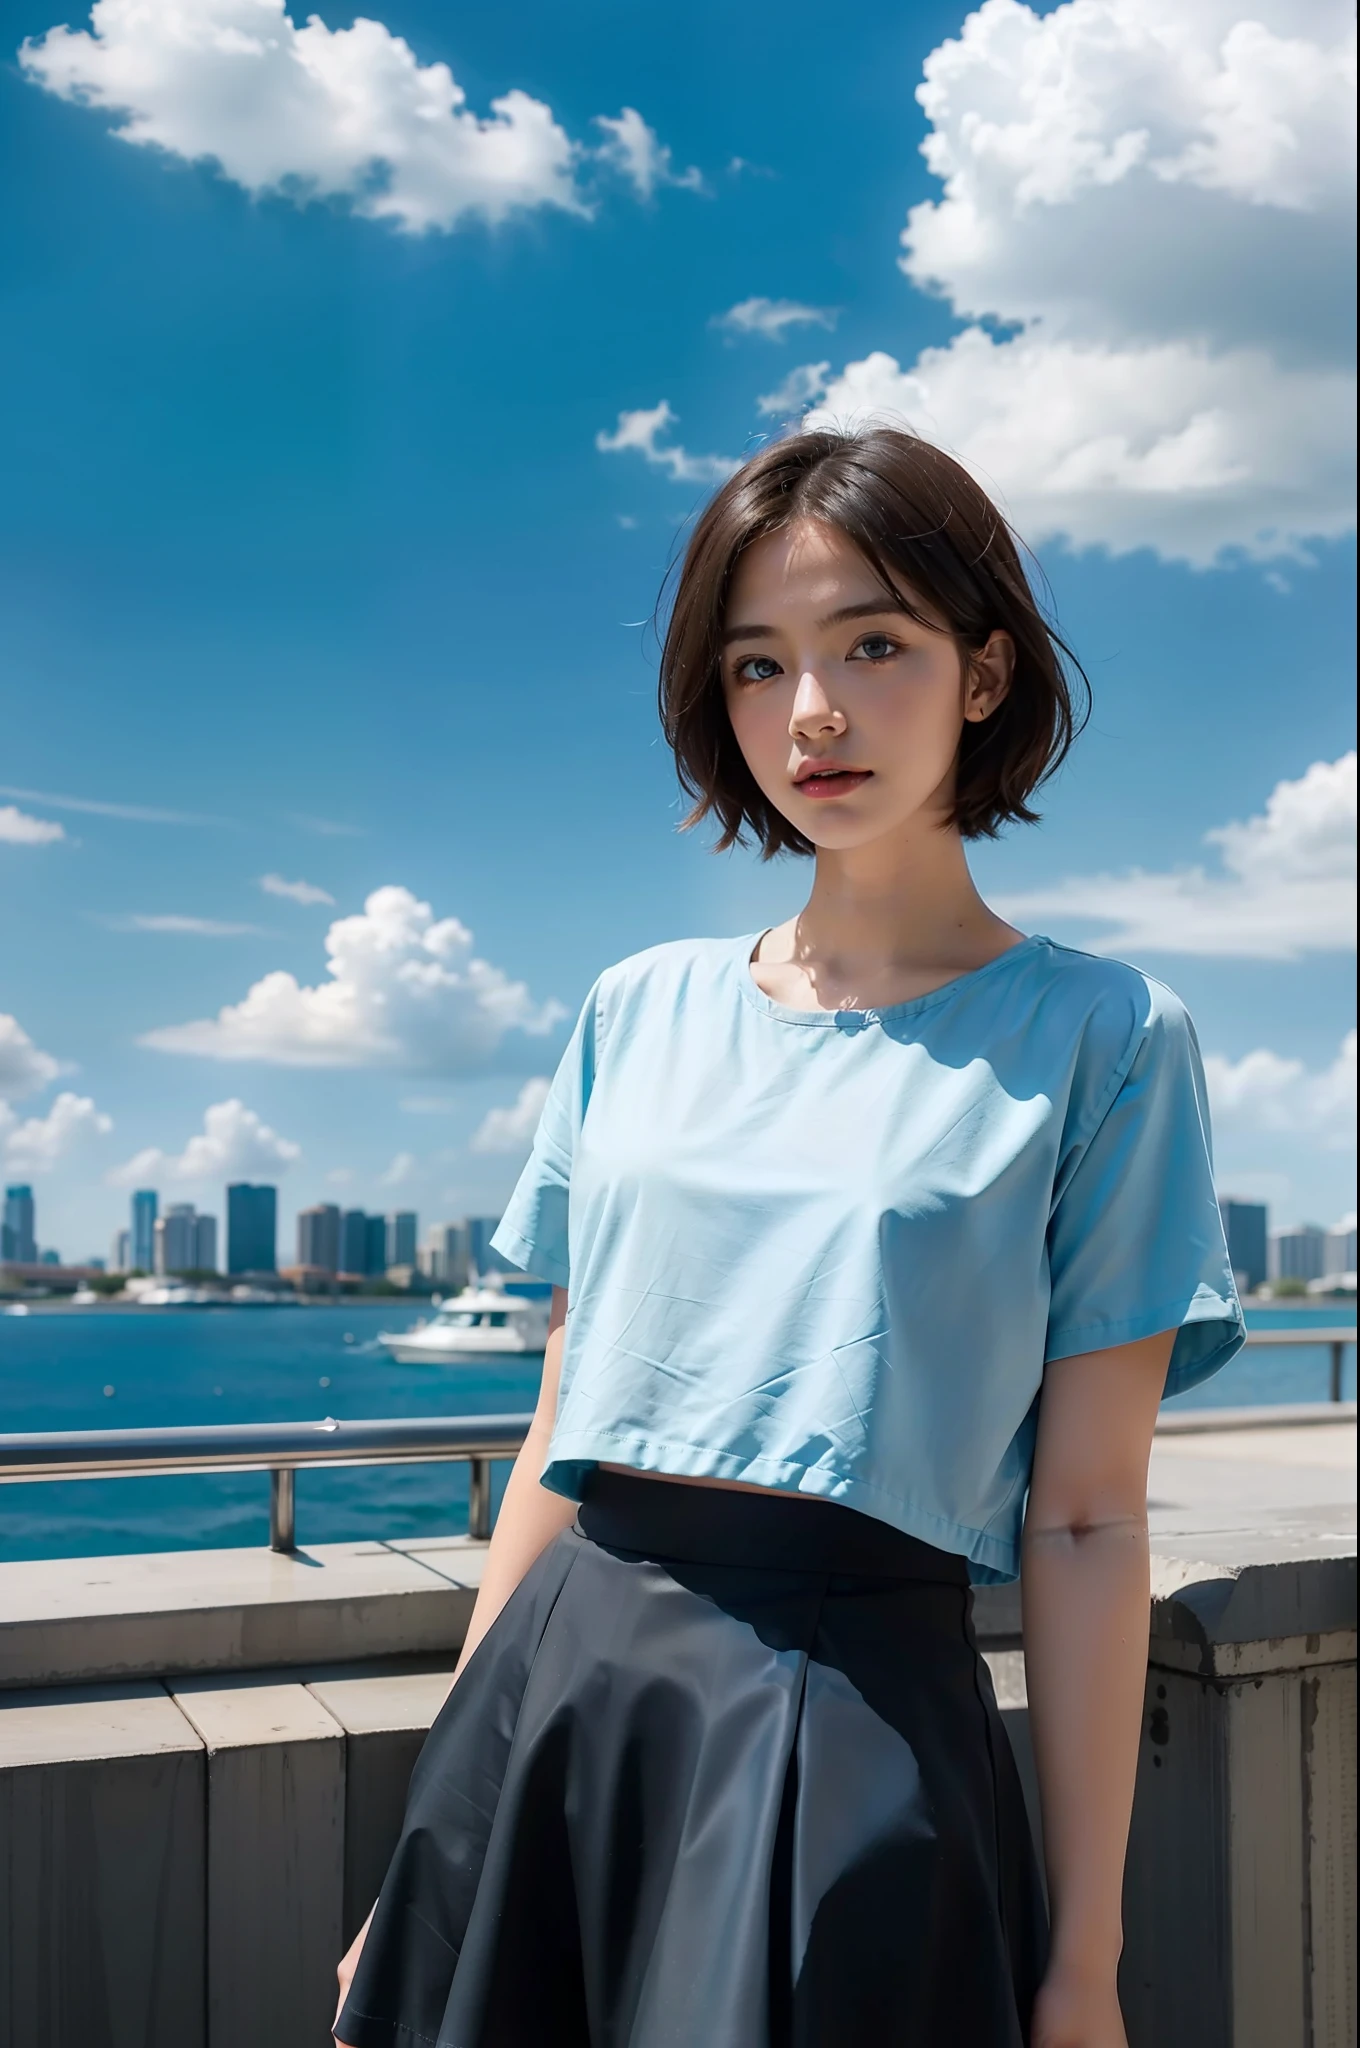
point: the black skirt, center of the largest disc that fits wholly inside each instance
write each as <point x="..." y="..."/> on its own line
<point x="726" y="1772"/>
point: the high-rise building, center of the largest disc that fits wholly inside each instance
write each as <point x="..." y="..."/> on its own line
<point x="401" y="1238"/>
<point x="353" y="1241"/>
<point x="1244" y="1226"/>
<point x="252" y="1228"/>
<point x="1340" y="1247"/>
<point x="145" y="1206"/>
<point x="481" y="1258"/>
<point x="318" y="1237"/>
<point x="205" y="1248"/>
<point x="444" y="1257"/>
<point x="19" y="1238"/>
<point x="1298" y="1254"/>
<point x="375" y="1246"/>
<point x="120" y="1252"/>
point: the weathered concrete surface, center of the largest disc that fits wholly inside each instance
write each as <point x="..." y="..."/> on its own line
<point x="386" y="1717"/>
<point x="67" y="1620"/>
<point x="102" y="1860"/>
<point x="275" y="1826"/>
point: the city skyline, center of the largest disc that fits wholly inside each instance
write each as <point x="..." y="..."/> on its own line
<point x="331" y="566"/>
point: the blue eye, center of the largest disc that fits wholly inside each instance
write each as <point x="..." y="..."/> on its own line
<point x="757" y="668"/>
<point x="877" y="647"/>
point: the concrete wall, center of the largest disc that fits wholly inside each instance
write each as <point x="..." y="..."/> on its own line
<point x="185" y="1851"/>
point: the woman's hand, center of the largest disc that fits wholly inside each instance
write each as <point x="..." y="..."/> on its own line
<point x="345" y="1968"/>
<point x="1074" y="2011"/>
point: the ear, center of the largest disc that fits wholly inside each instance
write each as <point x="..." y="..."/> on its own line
<point x="987" y="677"/>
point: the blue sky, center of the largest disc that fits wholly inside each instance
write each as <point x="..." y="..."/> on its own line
<point x="315" y="568"/>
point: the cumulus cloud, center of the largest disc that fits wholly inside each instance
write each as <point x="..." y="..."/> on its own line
<point x="1265" y="1092"/>
<point x="772" y="319"/>
<point x="636" y="151"/>
<point x="1159" y="198"/>
<point x="39" y="1143"/>
<point x="801" y="388"/>
<point x="512" y="1129"/>
<point x="311" y="112"/>
<point x="405" y="990"/>
<point x="401" y="1169"/>
<point x="639" y="433"/>
<point x="1285" y="886"/>
<point x="234" y="1144"/>
<point x="296" y="892"/>
<point x="17" y="828"/>
<point x="23" y="1068"/>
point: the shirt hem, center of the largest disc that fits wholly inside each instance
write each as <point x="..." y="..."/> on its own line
<point x="572" y="1455"/>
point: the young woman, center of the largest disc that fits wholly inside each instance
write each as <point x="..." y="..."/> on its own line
<point x="877" y="1238"/>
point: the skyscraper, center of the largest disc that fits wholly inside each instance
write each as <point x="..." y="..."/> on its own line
<point x="252" y="1228"/>
<point x="353" y="1241"/>
<point x="145" y="1205"/>
<point x="481" y="1258"/>
<point x="120" y="1252"/>
<point x="375" y="1245"/>
<point x="20" y="1228"/>
<point x="1244" y="1226"/>
<point x="205" y="1244"/>
<point x="445" y="1257"/>
<point x="401" y="1238"/>
<point x="318" y="1237"/>
<point x="1298" y="1254"/>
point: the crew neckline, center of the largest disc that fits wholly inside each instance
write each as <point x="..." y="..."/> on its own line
<point x="857" y="1020"/>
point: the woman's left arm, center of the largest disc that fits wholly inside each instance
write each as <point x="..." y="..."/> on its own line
<point x="1086" y="1595"/>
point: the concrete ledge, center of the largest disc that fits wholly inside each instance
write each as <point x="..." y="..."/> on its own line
<point x="1267" y="1415"/>
<point x="64" y="1621"/>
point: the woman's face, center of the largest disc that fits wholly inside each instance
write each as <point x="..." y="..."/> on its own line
<point x="847" y="710"/>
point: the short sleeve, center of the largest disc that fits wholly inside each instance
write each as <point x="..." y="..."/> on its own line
<point x="1135" y="1240"/>
<point x="532" y="1233"/>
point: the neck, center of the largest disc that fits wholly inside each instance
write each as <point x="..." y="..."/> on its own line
<point x="901" y="902"/>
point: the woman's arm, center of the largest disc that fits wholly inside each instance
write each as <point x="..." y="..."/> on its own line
<point x="530" y="1517"/>
<point x="1086" y="1596"/>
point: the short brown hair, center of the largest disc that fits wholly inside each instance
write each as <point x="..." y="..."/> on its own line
<point x="918" y="518"/>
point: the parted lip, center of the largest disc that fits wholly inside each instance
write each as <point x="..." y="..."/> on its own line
<point x="827" y="766"/>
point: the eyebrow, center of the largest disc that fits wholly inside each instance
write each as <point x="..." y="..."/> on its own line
<point x="874" y="608"/>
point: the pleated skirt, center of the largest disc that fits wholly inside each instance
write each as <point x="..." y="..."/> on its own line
<point x="726" y="1772"/>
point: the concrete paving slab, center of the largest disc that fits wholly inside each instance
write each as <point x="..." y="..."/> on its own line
<point x="91" y="1723"/>
<point x="65" y="1620"/>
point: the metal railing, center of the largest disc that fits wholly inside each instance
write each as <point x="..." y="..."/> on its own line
<point x="278" y="1448"/>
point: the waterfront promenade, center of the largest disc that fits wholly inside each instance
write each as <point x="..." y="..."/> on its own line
<point x="203" y="1757"/>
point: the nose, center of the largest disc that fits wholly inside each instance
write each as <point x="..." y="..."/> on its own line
<point x="813" y="713"/>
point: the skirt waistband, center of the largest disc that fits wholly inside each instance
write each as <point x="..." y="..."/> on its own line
<point x="666" y="1518"/>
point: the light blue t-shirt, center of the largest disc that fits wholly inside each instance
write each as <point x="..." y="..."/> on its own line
<point x="832" y="1251"/>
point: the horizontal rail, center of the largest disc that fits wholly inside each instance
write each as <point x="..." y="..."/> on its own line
<point x="257" y="1446"/>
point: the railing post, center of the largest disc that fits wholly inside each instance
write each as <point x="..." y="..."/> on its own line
<point x="282" y="1508"/>
<point x="479" y="1499"/>
<point x="1336" y="1349"/>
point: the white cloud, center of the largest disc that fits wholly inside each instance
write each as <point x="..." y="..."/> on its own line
<point x="801" y="388"/>
<point x="512" y="1129"/>
<point x="309" y="112"/>
<point x="17" y="828"/>
<point x="773" y="319"/>
<point x="138" y="814"/>
<point x="1265" y="1092"/>
<point x="23" y="1068"/>
<point x="40" y="1142"/>
<point x="174" y="925"/>
<point x="1159" y="196"/>
<point x="401" y="1169"/>
<point x="638" y="433"/>
<point x="233" y="1145"/>
<point x="405" y="990"/>
<point x="296" y="892"/>
<point x="635" y="150"/>
<point x="1287" y="884"/>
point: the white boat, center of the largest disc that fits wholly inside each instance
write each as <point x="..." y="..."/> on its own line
<point x="476" y="1327"/>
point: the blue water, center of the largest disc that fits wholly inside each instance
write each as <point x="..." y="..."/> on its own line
<point x="118" y="1369"/>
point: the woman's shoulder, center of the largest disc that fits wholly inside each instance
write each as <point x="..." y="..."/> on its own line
<point x="665" y="976"/>
<point x="1108" y="1012"/>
